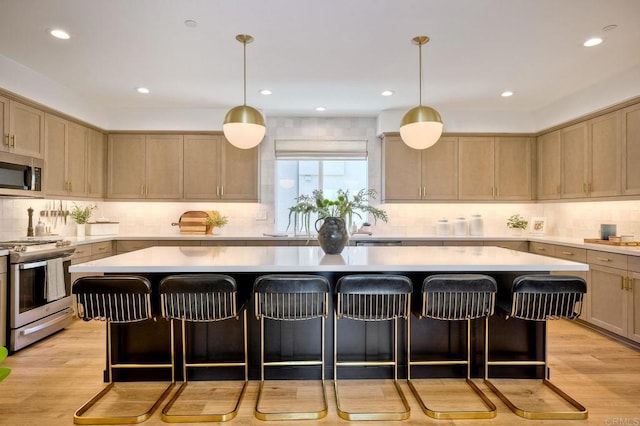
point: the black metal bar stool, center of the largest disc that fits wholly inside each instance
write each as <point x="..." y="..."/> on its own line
<point x="371" y="297"/>
<point x="116" y="300"/>
<point x="291" y="298"/>
<point x="201" y="298"/>
<point x="455" y="297"/>
<point x="541" y="298"/>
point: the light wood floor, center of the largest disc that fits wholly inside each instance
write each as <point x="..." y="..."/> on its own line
<point x="52" y="378"/>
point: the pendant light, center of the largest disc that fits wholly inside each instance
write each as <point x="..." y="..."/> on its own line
<point x="421" y="126"/>
<point x="244" y="125"/>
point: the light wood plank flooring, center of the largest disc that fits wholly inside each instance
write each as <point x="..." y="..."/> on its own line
<point x="55" y="376"/>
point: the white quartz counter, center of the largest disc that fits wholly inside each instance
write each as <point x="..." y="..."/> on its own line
<point x="313" y="259"/>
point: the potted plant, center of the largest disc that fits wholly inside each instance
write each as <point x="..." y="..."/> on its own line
<point x="335" y="215"/>
<point x="215" y="219"/>
<point x="81" y="215"/>
<point x="517" y="223"/>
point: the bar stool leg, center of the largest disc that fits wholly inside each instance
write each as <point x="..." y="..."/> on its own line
<point x="580" y="413"/>
<point x="453" y="414"/>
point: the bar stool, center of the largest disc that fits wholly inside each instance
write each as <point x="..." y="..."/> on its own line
<point x="455" y="297"/>
<point x="541" y="298"/>
<point x="116" y="300"/>
<point x="201" y="298"/>
<point x="291" y="298"/>
<point x="371" y="297"/>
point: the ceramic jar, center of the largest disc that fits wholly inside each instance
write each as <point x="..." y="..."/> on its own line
<point x="443" y="227"/>
<point x="476" y="225"/>
<point x="332" y="234"/>
<point x="460" y="227"/>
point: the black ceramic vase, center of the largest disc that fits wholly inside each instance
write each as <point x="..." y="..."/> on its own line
<point x="332" y="235"/>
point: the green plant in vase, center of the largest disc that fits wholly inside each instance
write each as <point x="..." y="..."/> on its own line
<point x="81" y="214"/>
<point x="517" y="223"/>
<point x="215" y="219"/>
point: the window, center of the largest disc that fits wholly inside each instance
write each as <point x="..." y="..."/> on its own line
<point x="298" y="177"/>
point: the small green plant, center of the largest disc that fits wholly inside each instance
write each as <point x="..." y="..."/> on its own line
<point x="4" y="371"/>
<point x="216" y="219"/>
<point x="517" y="222"/>
<point x="82" y="214"/>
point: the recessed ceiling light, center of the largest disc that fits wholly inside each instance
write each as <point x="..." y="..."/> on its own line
<point x="387" y="92"/>
<point x="142" y="90"/>
<point x="609" y="27"/>
<point x="320" y="109"/>
<point x="190" y="23"/>
<point x="506" y="93"/>
<point x="61" y="34"/>
<point x="265" y="92"/>
<point x="594" y="41"/>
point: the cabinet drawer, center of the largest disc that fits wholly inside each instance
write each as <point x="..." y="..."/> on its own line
<point x="511" y="245"/>
<point x="603" y="258"/>
<point x="126" y="246"/>
<point x="101" y="249"/>
<point x="83" y="250"/>
<point x="542" y="248"/>
<point x="633" y="263"/>
<point x="571" y="253"/>
<point x="3" y="265"/>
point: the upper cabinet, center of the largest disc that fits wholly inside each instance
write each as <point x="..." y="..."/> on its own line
<point x="604" y="155"/>
<point x="22" y="129"/>
<point x="549" y="166"/>
<point x="96" y="163"/>
<point x="216" y="170"/>
<point x="630" y="120"/>
<point x="495" y="168"/>
<point x="574" y="160"/>
<point x="413" y="175"/>
<point x="145" y="166"/>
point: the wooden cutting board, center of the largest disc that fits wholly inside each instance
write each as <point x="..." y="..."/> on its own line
<point x="191" y="222"/>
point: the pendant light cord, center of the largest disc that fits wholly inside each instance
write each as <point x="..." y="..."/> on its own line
<point x="420" y="67"/>
<point x="244" y="44"/>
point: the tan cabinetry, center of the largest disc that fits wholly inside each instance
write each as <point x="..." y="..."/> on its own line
<point x="145" y="166"/>
<point x="604" y="156"/>
<point x="630" y="118"/>
<point x="125" y="246"/>
<point x="495" y="168"/>
<point x="22" y="129"/>
<point x="633" y="299"/>
<point x="574" y="160"/>
<point x="96" y="163"/>
<point x="413" y="175"/>
<point x="3" y="301"/>
<point x="549" y="166"/>
<point x="66" y="157"/>
<point x="510" y="245"/>
<point x="88" y="252"/>
<point x="216" y="170"/>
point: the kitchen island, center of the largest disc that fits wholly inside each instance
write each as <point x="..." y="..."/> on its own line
<point x="150" y="340"/>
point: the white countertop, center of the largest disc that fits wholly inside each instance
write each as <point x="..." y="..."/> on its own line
<point x="313" y="259"/>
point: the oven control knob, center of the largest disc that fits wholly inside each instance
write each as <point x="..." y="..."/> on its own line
<point x="20" y="248"/>
<point x="62" y="243"/>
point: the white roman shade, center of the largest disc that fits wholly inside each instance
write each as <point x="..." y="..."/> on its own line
<point x="306" y="148"/>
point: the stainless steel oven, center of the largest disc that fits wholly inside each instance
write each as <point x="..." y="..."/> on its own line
<point x="33" y="312"/>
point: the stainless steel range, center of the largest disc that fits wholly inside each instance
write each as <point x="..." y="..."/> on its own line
<point x="39" y="292"/>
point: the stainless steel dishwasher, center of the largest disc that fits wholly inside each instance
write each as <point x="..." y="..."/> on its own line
<point x="378" y="243"/>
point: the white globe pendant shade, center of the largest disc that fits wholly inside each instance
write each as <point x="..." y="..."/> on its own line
<point x="244" y="127"/>
<point x="421" y="127"/>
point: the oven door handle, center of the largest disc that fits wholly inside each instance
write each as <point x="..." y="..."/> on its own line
<point x="32" y="265"/>
<point x="28" y="331"/>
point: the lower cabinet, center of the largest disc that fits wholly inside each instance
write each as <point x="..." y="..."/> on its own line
<point x="88" y="252"/>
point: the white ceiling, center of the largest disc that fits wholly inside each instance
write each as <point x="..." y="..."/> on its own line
<point x="335" y="53"/>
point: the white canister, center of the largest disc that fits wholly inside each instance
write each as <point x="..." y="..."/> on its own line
<point x="476" y="226"/>
<point x="443" y="227"/>
<point x="460" y="227"/>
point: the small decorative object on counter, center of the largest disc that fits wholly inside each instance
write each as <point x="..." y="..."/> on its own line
<point x="607" y="230"/>
<point x="214" y="219"/>
<point x="443" y="227"/>
<point x="40" y="229"/>
<point x="81" y="215"/>
<point x="476" y="226"/>
<point x="517" y="224"/>
<point x="460" y="227"/>
<point x="30" y="225"/>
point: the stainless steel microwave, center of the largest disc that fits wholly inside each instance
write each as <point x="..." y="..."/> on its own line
<point x="20" y="176"/>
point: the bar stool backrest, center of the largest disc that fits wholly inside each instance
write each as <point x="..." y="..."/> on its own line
<point x="458" y="296"/>
<point x="373" y="297"/>
<point x="119" y="299"/>
<point x="291" y="297"/>
<point x="199" y="297"/>
<point x="543" y="297"/>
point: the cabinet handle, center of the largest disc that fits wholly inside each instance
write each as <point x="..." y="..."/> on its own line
<point x="558" y="189"/>
<point x="541" y="249"/>
<point x="141" y="189"/>
<point x="6" y="139"/>
<point x="604" y="259"/>
<point x="622" y="280"/>
<point x="222" y="191"/>
<point x="584" y="187"/>
<point x="568" y="253"/>
<point x="13" y="141"/>
<point x="630" y="283"/>
<point x="424" y="191"/>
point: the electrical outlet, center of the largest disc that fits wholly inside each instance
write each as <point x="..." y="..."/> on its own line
<point x="261" y="215"/>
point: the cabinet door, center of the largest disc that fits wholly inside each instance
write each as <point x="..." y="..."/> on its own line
<point x="126" y="166"/>
<point x="202" y="167"/>
<point x="26" y="126"/>
<point x="549" y="166"/>
<point x="475" y="168"/>
<point x="76" y="160"/>
<point x="633" y="306"/>
<point x="239" y="173"/>
<point x="4" y="124"/>
<point x="513" y="168"/>
<point x="164" y="166"/>
<point x="96" y="163"/>
<point x="3" y="306"/>
<point x="631" y="150"/>
<point x="574" y="161"/>
<point x="401" y="171"/>
<point x="56" y="131"/>
<point x="608" y="299"/>
<point x="605" y="155"/>
<point x="440" y="170"/>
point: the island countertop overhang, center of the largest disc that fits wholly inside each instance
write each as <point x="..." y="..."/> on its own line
<point x="312" y="259"/>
